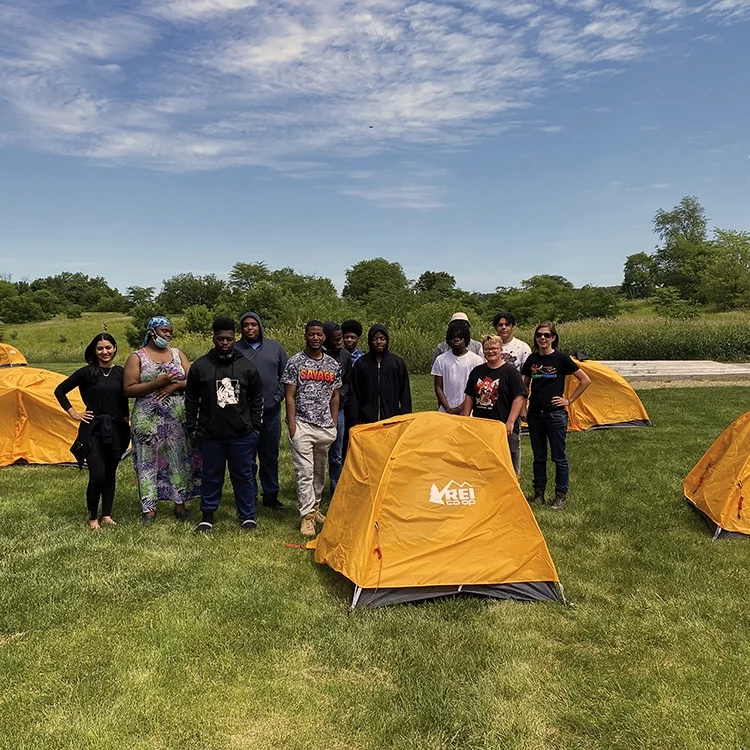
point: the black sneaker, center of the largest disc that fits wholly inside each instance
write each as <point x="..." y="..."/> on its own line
<point x="203" y="527"/>
<point x="271" y="500"/>
<point x="248" y="525"/>
<point x="182" y="515"/>
<point x="148" y="518"/>
<point x="561" y="500"/>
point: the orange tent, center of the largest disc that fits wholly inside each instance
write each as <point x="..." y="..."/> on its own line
<point x="717" y="483"/>
<point x="33" y="427"/>
<point x="428" y="505"/>
<point x="10" y="356"/>
<point x="609" y="401"/>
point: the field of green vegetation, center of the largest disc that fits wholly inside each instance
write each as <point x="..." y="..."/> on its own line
<point x="132" y="638"/>
<point x="717" y="336"/>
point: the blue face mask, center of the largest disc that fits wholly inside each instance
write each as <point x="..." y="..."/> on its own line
<point x="160" y="342"/>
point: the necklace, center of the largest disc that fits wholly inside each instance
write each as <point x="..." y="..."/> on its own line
<point x="107" y="373"/>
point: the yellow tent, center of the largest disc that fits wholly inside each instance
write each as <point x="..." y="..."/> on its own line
<point x="33" y="427"/>
<point x="609" y="401"/>
<point x="10" y="356"/>
<point x="717" y="484"/>
<point x="428" y="505"/>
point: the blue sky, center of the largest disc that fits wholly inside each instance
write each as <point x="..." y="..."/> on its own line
<point x="489" y="138"/>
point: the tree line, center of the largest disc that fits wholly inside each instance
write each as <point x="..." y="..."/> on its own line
<point x="688" y="268"/>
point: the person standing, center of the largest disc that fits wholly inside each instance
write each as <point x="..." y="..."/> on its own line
<point x="515" y="351"/>
<point x="352" y="331"/>
<point x="544" y="372"/>
<point x="224" y="411"/>
<point x="495" y="390"/>
<point x="444" y="346"/>
<point x="333" y="347"/>
<point x="103" y="432"/>
<point x="312" y="383"/>
<point x="451" y="369"/>
<point x="270" y="359"/>
<point x="167" y="466"/>
<point x="380" y="382"/>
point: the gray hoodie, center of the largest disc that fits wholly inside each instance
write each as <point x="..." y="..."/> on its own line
<point x="270" y="359"/>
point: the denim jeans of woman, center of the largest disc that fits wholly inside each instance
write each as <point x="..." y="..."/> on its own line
<point x="549" y="426"/>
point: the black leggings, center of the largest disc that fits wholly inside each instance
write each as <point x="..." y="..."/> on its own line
<point x="102" y="474"/>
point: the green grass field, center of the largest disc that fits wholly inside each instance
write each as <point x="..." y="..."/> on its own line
<point x="130" y="638"/>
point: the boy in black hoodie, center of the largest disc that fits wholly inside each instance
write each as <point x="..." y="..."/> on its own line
<point x="380" y="383"/>
<point x="224" y="409"/>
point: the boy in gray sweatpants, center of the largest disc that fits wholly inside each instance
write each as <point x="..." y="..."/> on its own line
<point x="312" y="381"/>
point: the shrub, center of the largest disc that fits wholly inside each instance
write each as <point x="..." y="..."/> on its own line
<point x="197" y="319"/>
<point x="73" y="312"/>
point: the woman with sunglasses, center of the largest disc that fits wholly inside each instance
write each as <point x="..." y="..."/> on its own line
<point x="544" y="373"/>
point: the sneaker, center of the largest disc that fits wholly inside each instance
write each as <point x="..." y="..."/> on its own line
<point x="148" y="518"/>
<point x="203" y="527"/>
<point x="538" y="498"/>
<point x="561" y="500"/>
<point x="271" y="500"/>
<point x="182" y="515"/>
<point x="318" y="517"/>
<point x="307" y="526"/>
<point x="248" y="525"/>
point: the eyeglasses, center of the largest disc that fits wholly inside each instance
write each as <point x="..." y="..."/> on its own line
<point x="545" y="335"/>
<point x="492" y="349"/>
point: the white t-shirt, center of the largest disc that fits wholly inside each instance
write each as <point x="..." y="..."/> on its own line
<point x="515" y="353"/>
<point x="455" y="372"/>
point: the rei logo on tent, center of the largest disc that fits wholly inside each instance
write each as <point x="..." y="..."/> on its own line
<point x="453" y="494"/>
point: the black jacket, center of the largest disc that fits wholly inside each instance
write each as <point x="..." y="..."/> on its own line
<point x="379" y="390"/>
<point x="223" y="397"/>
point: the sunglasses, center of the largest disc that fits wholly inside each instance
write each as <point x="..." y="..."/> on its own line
<point x="545" y="335"/>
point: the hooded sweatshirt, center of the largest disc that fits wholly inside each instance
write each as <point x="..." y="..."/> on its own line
<point x="223" y="397"/>
<point x="380" y="390"/>
<point x="344" y="358"/>
<point x="270" y="359"/>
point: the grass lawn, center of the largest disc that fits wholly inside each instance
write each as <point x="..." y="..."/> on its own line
<point x="130" y="638"/>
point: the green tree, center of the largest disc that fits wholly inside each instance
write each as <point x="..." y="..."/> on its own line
<point x="725" y="281"/>
<point x="197" y="319"/>
<point x="187" y="289"/>
<point x="371" y="279"/>
<point x="638" y="277"/>
<point x="21" y="309"/>
<point x="139" y="295"/>
<point x="7" y="289"/>
<point x="682" y="258"/>
<point x="435" y="281"/>
<point x="668" y="303"/>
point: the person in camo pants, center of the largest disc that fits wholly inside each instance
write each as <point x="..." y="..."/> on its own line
<point x="312" y="382"/>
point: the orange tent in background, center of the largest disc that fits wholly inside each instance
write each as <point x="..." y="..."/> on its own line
<point x="428" y="505"/>
<point x="718" y="483"/>
<point x="10" y="356"/>
<point x="33" y="427"/>
<point x="609" y="401"/>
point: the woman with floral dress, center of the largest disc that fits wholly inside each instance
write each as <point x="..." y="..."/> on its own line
<point x="166" y="466"/>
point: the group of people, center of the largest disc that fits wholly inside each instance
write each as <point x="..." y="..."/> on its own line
<point x="189" y="423"/>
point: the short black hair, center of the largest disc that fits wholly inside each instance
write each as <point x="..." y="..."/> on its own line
<point x="223" y="324"/>
<point x="458" y="328"/>
<point x="312" y="324"/>
<point x="508" y="316"/>
<point x="352" y="326"/>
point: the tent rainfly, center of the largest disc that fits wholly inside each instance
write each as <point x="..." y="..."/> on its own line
<point x="428" y="506"/>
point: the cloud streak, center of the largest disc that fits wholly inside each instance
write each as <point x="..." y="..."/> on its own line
<point x="208" y="84"/>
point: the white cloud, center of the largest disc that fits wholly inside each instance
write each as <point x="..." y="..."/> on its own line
<point x="550" y="129"/>
<point x="298" y="85"/>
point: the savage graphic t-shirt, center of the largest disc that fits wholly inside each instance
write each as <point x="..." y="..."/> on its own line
<point x="515" y="353"/>
<point x="316" y="380"/>
<point x="493" y="391"/>
<point x="547" y="373"/>
<point x="455" y="373"/>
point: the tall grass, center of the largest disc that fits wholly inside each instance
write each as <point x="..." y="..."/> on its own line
<point x="721" y="337"/>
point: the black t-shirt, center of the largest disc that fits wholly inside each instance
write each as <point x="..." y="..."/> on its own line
<point x="103" y="396"/>
<point x="493" y="391"/>
<point x="547" y="373"/>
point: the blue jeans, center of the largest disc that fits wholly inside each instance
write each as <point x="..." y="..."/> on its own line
<point x="268" y="453"/>
<point x="549" y="426"/>
<point x="239" y="454"/>
<point x="336" y="453"/>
